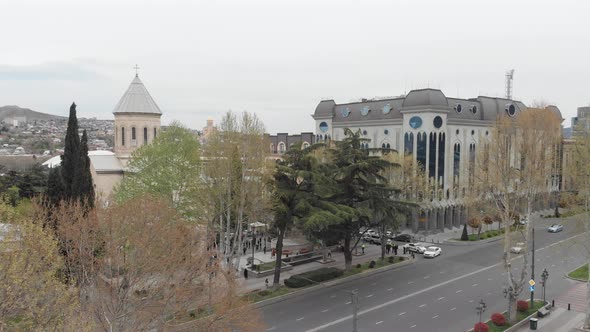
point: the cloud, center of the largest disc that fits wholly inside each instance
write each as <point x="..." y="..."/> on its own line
<point x="51" y="71"/>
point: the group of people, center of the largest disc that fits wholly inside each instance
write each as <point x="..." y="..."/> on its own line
<point x="391" y="248"/>
<point x="259" y="243"/>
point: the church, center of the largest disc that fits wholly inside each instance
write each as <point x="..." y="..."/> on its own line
<point x="137" y="122"/>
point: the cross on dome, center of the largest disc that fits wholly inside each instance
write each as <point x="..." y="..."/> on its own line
<point x="136" y="70"/>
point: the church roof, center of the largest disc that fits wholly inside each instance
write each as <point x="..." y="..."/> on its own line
<point x="137" y="100"/>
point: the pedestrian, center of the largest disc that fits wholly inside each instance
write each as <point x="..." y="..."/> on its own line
<point x="363" y="247"/>
<point x="388" y="248"/>
<point x="395" y="249"/>
<point x="244" y="250"/>
<point x="245" y="273"/>
<point x="329" y="253"/>
<point x="265" y="249"/>
<point x="266" y="282"/>
<point x="413" y="255"/>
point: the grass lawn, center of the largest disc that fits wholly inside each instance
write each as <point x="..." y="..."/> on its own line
<point x="378" y="263"/>
<point x="268" y="294"/>
<point x="580" y="273"/>
<point x="519" y="317"/>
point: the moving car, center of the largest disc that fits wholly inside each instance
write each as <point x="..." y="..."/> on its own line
<point x="415" y="247"/>
<point x="555" y="228"/>
<point x="403" y="238"/>
<point x="518" y="248"/>
<point x="432" y="252"/>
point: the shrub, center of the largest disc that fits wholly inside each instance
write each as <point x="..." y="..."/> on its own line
<point x="372" y="264"/>
<point x="481" y="327"/>
<point x="390" y="259"/>
<point x="464" y="236"/>
<point x="358" y="266"/>
<point x="522" y="305"/>
<point x="311" y="277"/>
<point x="498" y="319"/>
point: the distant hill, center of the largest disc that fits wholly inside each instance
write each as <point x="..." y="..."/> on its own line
<point x="25" y="114"/>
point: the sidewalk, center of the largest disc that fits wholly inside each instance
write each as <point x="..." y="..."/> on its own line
<point x="372" y="252"/>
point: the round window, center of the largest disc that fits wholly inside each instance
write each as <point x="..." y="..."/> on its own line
<point x="458" y="108"/>
<point x="510" y="109"/>
<point x="473" y="109"/>
<point x="324" y="126"/>
<point x="472" y="132"/>
<point x="365" y="110"/>
<point x="386" y="132"/>
<point x="365" y="132"/>
<point x="345" y="112"/>
<point x="457" y="132"/>
<point x="415" y="122"/>
<point x="438" y="121"/>
<point x="386" y="109"/>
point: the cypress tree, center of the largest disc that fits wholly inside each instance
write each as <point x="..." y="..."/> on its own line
<point x="71" y="154"/>
<point x="464" y="236"/>
<point x="55" y="187"/>
<point x="82" y="186"/>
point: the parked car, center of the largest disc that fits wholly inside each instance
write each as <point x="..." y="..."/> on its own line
<point x="555" y="228"/>
<point x="432" y="252"/>
<point x="524" y="220"/>
<point x="375" y="238"/>
<point x="415" y="247"/>
<point x="518" y="248"/>
<point x="403" y="238"/>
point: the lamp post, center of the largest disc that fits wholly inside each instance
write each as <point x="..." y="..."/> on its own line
<point x="544" y="277"/>
<point x="481" y="308"/>
<point x="532" y="265"/>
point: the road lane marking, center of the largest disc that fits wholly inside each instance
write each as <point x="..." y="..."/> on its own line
<point x="402" y="313"/>
<point x="435" y="317"/>
<point x="379" y="322"/>
<point x="426" y="277"/>
<point x="453" y="308"/>
<point x="422" y="305"/>
<point x="370" y="295"/>
<point x="489" y="293"/>
<point x="413" y="326"/>
<point x="442" y="272"/>
<point x="389" y="289"/>
<point x="490" y="279"/>
<point x="332" y="296"/>
<point x="440" y="298"/>
<point x="459" y="291"/>
<point x="349" y="302"/>
<point x="424" y="290"/>
<point x="325" y="310"/>
<point x="471" y="301"/>
<point x="474" y="285"/>
<point x="272" y="328"/>
<point x="410" y="282"/>
<point x="373" y="284"/>
<point x="298" y="319"/>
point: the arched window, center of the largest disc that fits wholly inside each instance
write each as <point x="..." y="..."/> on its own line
<point x="409" y="143"/>
<point x="383" y="146"/>
<point x="432" y="155"/>
<point x="456" y="163"/>
<point x="272" y="148"/>
<point x="145" y="138"/>
<point x="122" y="136"/>
<point x="133" y="134"/>
<point x="441" y="158"/>
<point x="421" y="149"/>
<point x="388" y="146"/>
<point x="281" y="147"/>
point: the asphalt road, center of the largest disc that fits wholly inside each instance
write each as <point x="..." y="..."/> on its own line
<point x="438" y="294"/>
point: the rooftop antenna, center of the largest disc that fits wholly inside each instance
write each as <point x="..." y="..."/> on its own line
<point x="509" y="78"/>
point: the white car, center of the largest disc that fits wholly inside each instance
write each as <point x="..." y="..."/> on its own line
<point x="555" y="228"/>
<point x="432" y="252"/>
<point x="518" y="248"/>
<point x="415" y="247"/>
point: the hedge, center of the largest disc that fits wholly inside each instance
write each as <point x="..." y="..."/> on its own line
<point x="303" y="279"/>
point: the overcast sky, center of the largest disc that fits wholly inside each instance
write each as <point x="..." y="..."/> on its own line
<point x="279" y="58"/>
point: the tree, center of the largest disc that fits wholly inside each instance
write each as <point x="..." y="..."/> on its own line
<point x="71" y="156"/>
<point x="464" y="235"/>
<point x="29" y="278"/>
<point x="168" y="168"/>
<point x="82" y="185"/>
<point x="516" y="164"/>
<point x="55" y="187"/>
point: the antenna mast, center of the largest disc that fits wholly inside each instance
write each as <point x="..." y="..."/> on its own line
<point x="509" y="78"/>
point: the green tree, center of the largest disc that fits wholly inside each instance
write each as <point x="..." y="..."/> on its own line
<point x="71" y="154"/>
<point x="55" y="187"/>
<point x="168" y="168"/>
<point x="82" y="186"/>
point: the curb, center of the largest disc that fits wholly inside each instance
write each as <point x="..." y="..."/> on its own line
<point x="519" y="324"/>
<point x="332" y="283"/>
<point x="576" y="279"/>
<point x="473" y="243"/>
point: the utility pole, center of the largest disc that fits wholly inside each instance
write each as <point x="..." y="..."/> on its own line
<point x="355" y="308"/>
<point x="533" y="266"/>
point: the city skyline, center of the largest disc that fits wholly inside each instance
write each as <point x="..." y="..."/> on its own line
<point x="200" y="59"/>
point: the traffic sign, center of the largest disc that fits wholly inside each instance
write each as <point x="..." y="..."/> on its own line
<point x="532" y="282"/>
<point x="532" y="289"/>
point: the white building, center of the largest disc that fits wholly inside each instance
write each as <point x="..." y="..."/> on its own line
<point x="440" y="133"/>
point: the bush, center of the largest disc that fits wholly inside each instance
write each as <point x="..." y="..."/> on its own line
<point x="481" y="327"/>
<point x="464" y="235"/>
<point x="390" y="259"/>
<point x="358" y="266"/>
<point x="522" y="305"/>
<point x="308" y="278"/>
<point x="498" y="319"/>
<point x="372" y="264"/>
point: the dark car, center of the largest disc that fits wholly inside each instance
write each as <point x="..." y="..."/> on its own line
<point x="403" y="238"/>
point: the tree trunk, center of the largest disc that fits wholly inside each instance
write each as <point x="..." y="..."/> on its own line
<point x="347" y="253"/>
<point x="383" y="242"/>
<point x="279" y="258"/>
<point x="587" y="320"/>
<point x="512" y="298"/>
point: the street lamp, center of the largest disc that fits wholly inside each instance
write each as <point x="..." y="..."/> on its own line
<point x="481" y="308"/>
<point x="544" y="277"/>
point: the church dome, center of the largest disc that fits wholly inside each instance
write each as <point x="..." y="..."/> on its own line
<point x="137" y="100"/>
<point x="425" y="97"/>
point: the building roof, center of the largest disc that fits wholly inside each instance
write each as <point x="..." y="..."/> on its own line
<point x="137" y="100"/>
<point x="106" y="163"/>
<point x="425" y="97"/>
<point x="56" y="161"/>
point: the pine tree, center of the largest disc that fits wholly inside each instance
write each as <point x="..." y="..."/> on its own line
<point x="71" y="154"/>
<point x="82" y="186"/>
